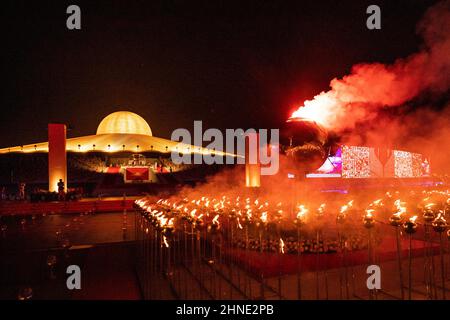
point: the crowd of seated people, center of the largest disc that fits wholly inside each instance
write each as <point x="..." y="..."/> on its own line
<point x="85" y="169"/>
<point x="88" y="163"/>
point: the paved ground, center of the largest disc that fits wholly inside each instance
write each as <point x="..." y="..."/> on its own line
<point x="206" y="281"/>
<point x="207" y="277"/>
<point x="104" y="248"/>
<point x="101" y="244"/>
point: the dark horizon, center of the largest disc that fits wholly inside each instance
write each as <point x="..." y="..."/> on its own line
<point x="231" y="65"/>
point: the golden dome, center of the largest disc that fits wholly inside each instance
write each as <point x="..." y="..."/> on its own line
<point x="124" y="122"/>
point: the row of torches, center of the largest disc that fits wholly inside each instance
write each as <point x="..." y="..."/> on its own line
<point x="165" y="221"/>
<point x="204" y="213"/>
<point x="409" y="226"/>
<point x="207" y="213"/>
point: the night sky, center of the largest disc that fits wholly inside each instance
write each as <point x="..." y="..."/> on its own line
<point x="230" y="64"/>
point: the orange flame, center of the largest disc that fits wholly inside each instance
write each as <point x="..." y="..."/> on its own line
<point x="302" y="212"/>
<point x="344" y="208"/>
<point x="165" y="241"/>
<point x="320" y="110"/>
<point x="377" y="202"/>
<point x="321" y="208"/>
<point x="400" y="207"/>
<point x="440" y="216"/>
<point x="239" y="224"/>
<point x="369" y="213"/>
<point x="281" y="245"/>
<point x="263" y="217"/>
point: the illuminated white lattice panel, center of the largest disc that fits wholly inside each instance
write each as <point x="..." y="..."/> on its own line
<point x="403" y="164"/>
<point x="417" y="169"/>
<point x="355" y="162"/>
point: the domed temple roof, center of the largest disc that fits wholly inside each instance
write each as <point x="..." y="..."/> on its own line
<point x="124" y="122"/>
<point x="119" y="131"/>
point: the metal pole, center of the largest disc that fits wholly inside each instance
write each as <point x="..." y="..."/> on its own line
<point x="410" y="268"/>
<point x="299" y="266"/>
<point x="399" y="261"/>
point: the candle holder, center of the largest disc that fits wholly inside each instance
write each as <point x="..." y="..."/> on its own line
<point x="213" y="228"/>
<point x="396" y="220"/>
<point x="368" y="220"/>
<point x="199" y="224"/>
<point x="428" y="214"/>
<point x="168" y="230"/>
<point x="341" y="218"/>
<point x="410" y="226"/>
<point x="439" y="224"/>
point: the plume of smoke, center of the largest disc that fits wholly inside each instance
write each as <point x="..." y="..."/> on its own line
<point x="424" y="131"/>
<point x="359" y="96"/>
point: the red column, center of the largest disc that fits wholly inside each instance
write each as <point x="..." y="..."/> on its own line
<point x="252" y="170"/>
<point x="57" y="159"/>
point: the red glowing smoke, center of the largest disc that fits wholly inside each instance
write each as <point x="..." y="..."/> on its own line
<point x="370" y="87"/>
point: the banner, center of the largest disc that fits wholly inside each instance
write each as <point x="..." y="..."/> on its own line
<point x="137" y="174"/>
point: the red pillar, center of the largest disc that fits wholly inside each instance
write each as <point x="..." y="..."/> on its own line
<point x="57" y="159"/>
<point x="252" y="170"/>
